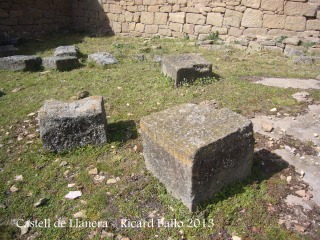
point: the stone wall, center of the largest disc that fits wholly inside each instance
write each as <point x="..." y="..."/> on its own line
<point x="172" y="18"/>
<point x="18" y="17"/>
<point x="198" y="18"/>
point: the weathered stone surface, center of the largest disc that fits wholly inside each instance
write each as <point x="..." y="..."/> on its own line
<point x="300" y="9"/>
<point x="195" y="18"/>
<point x="291" y="51"/>
<point x="302" y="97"/>
<point x="232" y="18"/>
<point x="295" y="23"/>
<point x="272" y="5"/>
<point x="251" y="3"/>
<point x="255" y="32"/>
<point x="307" y="60"/>
<point x="102" y="58"/>
<point x="291" y="41"/>
<point x="313" y="25"/>
<point x="254" y="47"/>
<point x="273" y="49"/>
<point x="273" y="21"/>
<point x="252" y="18"/>
<point x="66" y="51"/>
<point x="179" y="17"/>
<point x="21" y="63"/>
<point x="60" y="63"/>
<point x="147" y="17"/>
<point x="8" y="50"/>
<point x="68" y="125"/>
<point x="215" y="19"/>
<point x="186" y="68"/>
<point x="195" y="150"/>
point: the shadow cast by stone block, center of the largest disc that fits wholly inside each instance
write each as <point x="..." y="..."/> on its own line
<point x="265" y="165"/>
<point x="2" y="93"/>
<point x="217" y="76"/>
<point x="122" y="131"/>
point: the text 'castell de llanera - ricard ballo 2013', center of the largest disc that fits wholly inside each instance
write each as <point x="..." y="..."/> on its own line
<point x="122" y="223"/>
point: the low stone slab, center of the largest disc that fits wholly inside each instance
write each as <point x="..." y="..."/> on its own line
<point x="186" y="68"/>
<point x="102" y="58"/>
<point x="66" y="51"/>
<point x="61" y="63"/>
<point x="290" y="83"/>
<point x="68" y="125"/>
<point x="8" y="50"/>
<point x="196" y="150"/>
<point x="21" y="63"/>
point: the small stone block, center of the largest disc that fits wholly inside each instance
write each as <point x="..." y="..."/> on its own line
<point x="195" y="150"/>
<point x="21" y="63"/>
<point x="186" y="68"/>
<point x="8" y="50"/>
<point x="102" y="58"/>
<point x="66" y="51"/>
<point x="68" y="125"/>
<point x="61" y="63"/>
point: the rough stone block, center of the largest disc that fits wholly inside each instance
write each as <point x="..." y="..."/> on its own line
<point x="21" y="63"/>
<point x="161" y="18"/>
<point x="147" y="17"/>
<point x="102" y="58"/>
<point x="272" y="5"/>
<point x="68" y="125"/>
<point x="300" y="9"/>
<point x="255" y="32"/>
<point x="274" y="21"/>
<point x="178" y="17"/>
<point x="215" y="19"/>
<point x="196" y="150"/>
<point x="66" y="51"/>
<point x="60" y="63"/>
<point x="295" y="23"/>
<point x="232" y="18"/>
<point x="291" y="51"/>
<point x="195" y="18"/>
<point x="8" y="50"/>
<point x="251" y="3"/>
<point x="186" y="68"/>
<point x="313" y="25"/>
<point x="252" y="18"/>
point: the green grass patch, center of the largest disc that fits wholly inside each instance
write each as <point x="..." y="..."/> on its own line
<point x="132" y="89"/>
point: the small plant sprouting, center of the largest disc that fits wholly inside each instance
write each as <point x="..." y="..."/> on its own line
<point x="308" y="44"/>
<point x="214" y="36"/>
<point x="281" y="38"/>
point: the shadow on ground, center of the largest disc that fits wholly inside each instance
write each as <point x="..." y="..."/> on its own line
<point x="122" y="131"/>
<point x="265" y="165"/>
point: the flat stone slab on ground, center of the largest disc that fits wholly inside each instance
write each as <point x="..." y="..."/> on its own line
<point x="290" y="83"/>
<point x="66" y="51"/>
<point x="67" y="125"/>
<point x="311" y="169"/>
<point x="302" y="127"/>
<point x="186" y="68"/>
<point x="60" y="63"/>
<point x="21" y="63"/>
<point x="8" y="50"/>
<point x="102" y="58"/>
<point x="195" y="150"/>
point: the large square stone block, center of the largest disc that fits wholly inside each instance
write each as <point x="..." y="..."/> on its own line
<point x="61" y="63"/>
<point x="196" y="150"/>
<point x="186" y="68"/>
<point x="21" y="63"/>
<point x="68" y="125"/>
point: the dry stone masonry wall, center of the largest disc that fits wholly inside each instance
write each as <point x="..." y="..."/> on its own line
<point x="198" y="18"/>
<point x="171" y="18"/>
<point x="24" y="16"/>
